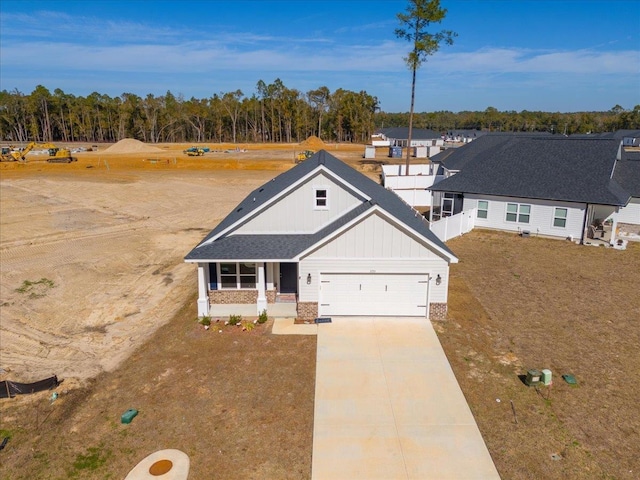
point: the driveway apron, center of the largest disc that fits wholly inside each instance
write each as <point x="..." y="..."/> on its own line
<point x="388" y="406"/>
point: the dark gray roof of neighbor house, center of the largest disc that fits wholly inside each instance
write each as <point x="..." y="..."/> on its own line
<point x="627" y="172"/>
<point x="467" y="133"/>
<point x="402" y="133"/>
<point x="552" y="168"/>
<point x="288" y="246"/>
<point x="620" y="134"/>
<point x="456" y="159"/>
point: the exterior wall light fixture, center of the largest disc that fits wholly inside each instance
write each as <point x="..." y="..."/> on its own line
<point x="308" y="279"/>
<point x="438" y="280"/>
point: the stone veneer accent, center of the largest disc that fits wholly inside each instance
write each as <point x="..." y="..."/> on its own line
<point x="438" y="311"/>
<point x="307" y="310"/>
<point x="226" y="297"/>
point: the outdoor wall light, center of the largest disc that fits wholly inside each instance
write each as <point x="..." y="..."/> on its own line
<point x="438" y="280"/>
<point x="308" y="279"/>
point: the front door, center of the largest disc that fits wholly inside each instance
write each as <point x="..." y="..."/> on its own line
<point x="288" y="278"/>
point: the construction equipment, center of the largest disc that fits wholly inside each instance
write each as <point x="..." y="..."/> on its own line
<point x="9" y="155"/>
<point x="56" y="154"/>
<point x="60" y="155"/>
<point x="194" y="151"/>
<point x="302" y="156"/>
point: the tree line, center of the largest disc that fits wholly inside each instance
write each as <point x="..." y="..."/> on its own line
<point x="274" y="113"/>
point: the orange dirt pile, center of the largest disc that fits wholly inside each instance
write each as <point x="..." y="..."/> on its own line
<point x="313" y="143"/>
<point x="131" y="145"/>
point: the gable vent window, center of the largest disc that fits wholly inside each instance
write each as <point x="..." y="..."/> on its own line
<point x="517" y="212"/>
<point x="321" y="198"/>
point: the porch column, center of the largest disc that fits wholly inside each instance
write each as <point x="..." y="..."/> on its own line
<point x="262" y="296"/>
<point x="203" y="282"/>
<point x="270" y="276"/>
<point x="614" y="227"/>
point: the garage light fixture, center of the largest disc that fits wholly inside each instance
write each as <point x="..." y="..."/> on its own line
<point x="308" y="279"/>
<point x="438" y="280"/>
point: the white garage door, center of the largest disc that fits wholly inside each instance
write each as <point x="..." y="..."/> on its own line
<point x="373" y="294"/>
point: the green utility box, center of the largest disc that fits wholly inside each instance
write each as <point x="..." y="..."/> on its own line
<point x="546" y="377"/>
<point x="128" y="415"/>
<point x="533" y="377"/>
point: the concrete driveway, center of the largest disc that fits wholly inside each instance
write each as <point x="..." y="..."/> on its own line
<point x="387" y="405"/>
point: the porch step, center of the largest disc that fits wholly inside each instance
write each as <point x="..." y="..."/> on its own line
<point x="286" y="298"/>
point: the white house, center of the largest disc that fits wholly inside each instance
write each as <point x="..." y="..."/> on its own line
<point x="329" y="238"/>
<point x="546" y="185"/>
<point x="412" y="187"/>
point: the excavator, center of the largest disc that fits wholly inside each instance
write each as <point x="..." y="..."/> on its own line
<point x="56" y="154"/>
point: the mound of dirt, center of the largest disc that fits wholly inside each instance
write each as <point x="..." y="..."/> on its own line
<point x="131" y="145"/>
<point x="313" y="143"/>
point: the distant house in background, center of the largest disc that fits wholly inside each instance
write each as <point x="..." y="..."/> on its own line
<point x="463" y="136"/>
<point x="548" y="185"/>
<point x="425" y="143"/>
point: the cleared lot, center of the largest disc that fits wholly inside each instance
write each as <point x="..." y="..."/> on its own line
<point x="241" y="404"/>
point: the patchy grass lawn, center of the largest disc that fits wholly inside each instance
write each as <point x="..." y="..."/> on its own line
<point x="532" y="303"/>
<point x="239" y="403"/>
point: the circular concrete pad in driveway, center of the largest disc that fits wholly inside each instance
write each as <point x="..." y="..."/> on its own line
<point x="167" y="464"/>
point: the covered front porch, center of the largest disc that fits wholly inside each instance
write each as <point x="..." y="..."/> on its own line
<point x="247" y="288"/>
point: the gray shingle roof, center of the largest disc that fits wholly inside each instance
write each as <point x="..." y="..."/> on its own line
<point x="284" y="247"/>
<point x="552" y="168"/>
<point x="627" y="172"/>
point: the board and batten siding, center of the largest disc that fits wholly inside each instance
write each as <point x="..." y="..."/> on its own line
<point x="374" y="245"/>
<point x="540" y="220"/>
<point x="297" y="212"/>
<point x="373" y="237"/>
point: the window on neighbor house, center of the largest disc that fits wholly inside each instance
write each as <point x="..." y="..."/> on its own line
<point x="237" y="275"/>
<point x="322" y="198"/>
<point x="560" y="217"/>
<point x="483" y="209"/>
<point x="518" y="212"/>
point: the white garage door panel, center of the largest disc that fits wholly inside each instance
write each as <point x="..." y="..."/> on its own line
<point x="373" y="294"/>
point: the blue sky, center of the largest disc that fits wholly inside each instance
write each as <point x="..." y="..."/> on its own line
<point x="559" y="56"/>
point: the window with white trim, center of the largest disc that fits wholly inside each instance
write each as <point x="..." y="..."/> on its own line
<point x="237" y="276"/>
<point x="560" y="217"/>
<point x="518" y="212"/>
<point x="483" y="209"/>
<point x="321" y="196"/>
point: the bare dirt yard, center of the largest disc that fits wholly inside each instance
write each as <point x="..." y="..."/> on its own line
<point x="93" y="288"/>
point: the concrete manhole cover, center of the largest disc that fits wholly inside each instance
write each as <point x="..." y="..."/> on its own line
<point x="167" y="464"/>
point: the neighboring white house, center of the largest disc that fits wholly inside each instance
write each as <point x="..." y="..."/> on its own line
<point x="412" y="187"/>
<point x="627" y="174"/>
<point x="547" y="185"/>
<point x="332" y="239"/>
